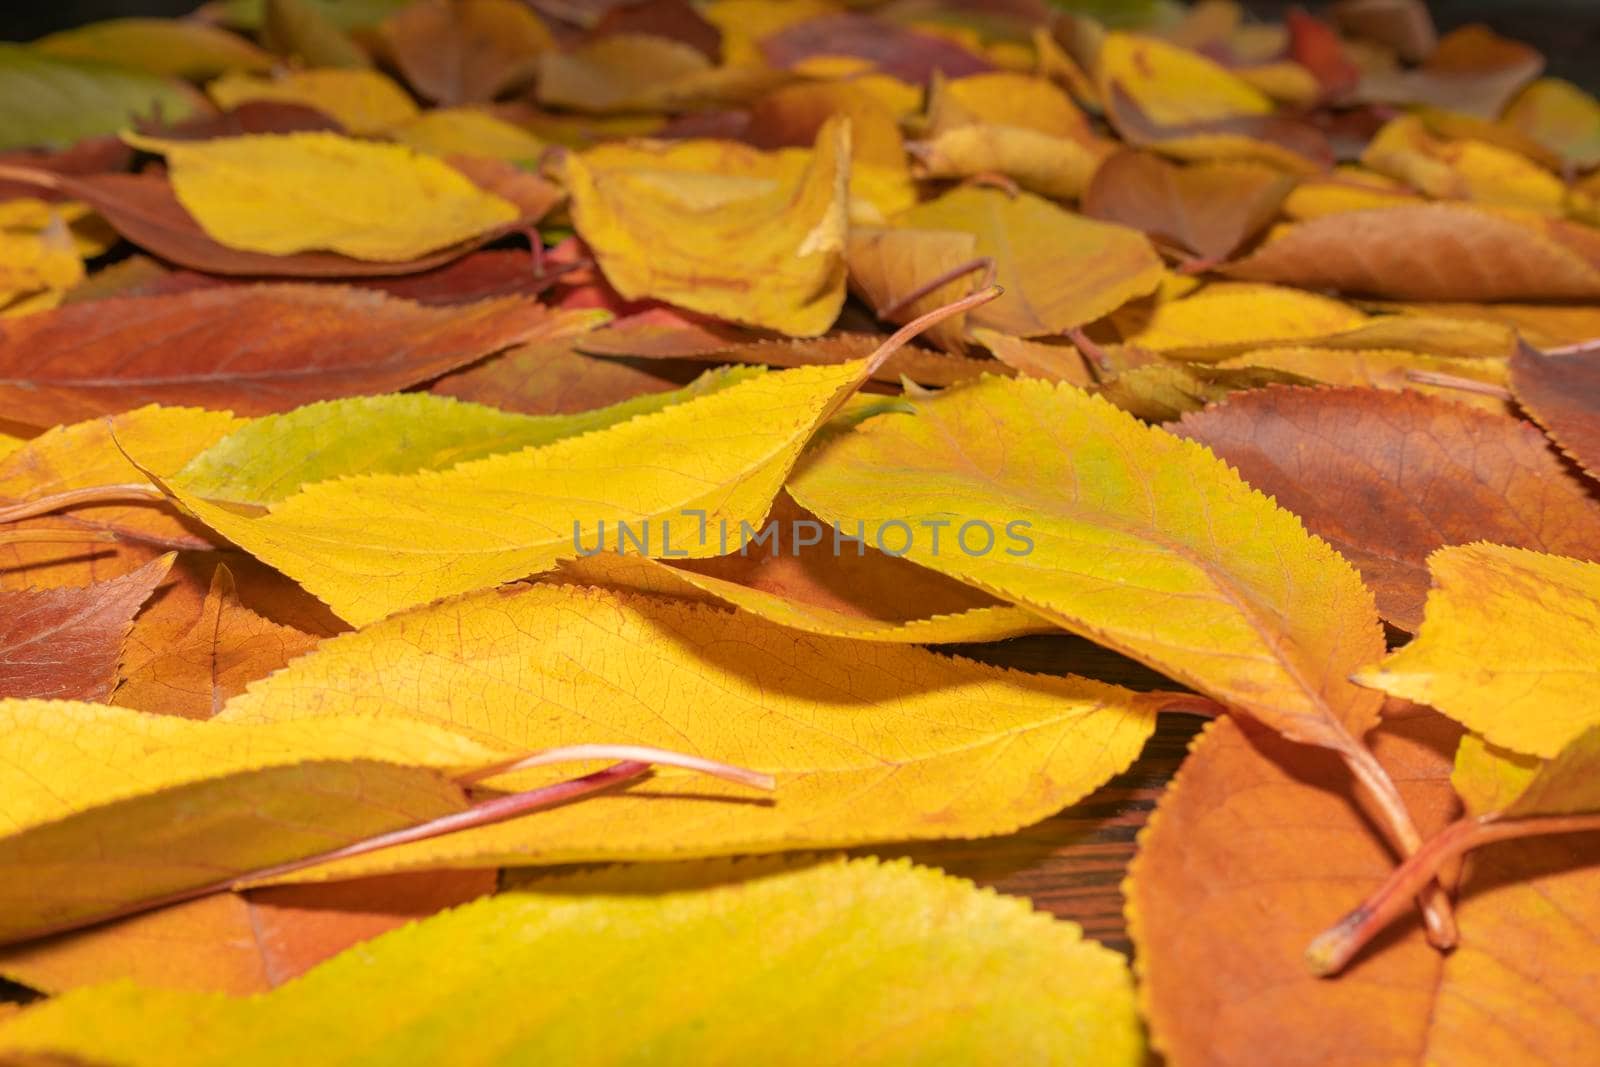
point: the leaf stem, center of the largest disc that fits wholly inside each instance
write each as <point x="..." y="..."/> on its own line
<point x="1336" y="946"/>
<point x="94" y="494"/>
<point x="897" y="340"/>
<point x="484" y="813"/>
<point x="1454" y="381"/>
<point x="1437" y="918"/>
<point x="983" y="263"/>
<point x="62" y="536"/>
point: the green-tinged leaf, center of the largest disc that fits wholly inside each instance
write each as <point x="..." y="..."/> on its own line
<point x="871" y="964"/>
<point x="52" y="103"/>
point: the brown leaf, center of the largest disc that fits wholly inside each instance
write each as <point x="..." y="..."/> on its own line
<point x="62" y="644"/>
<point x="1562" y="393"/>
<point x="1052" y="360"/>
<point x="932" y="369"/>
<point x="465" y="51"/>
<point x="1474" y="70"/>
<point x="552" y="378"/>
<point x="240" y="943"/>
<point x="1257" y="847"/>
<point x="1430" y="252"/>
<point x="676" y="20"/>
<point x="252" y="116"/>
<point x="1288" y="144"/>
<point x="1402" y="25"/>
<point x="910" y="55"/>
<point x="889" y="265"/>
<point x="1209" y="209"/>
<point x="1388" y="477"/>
<point x="189" y="663"/>
<point x="250" y="349"/>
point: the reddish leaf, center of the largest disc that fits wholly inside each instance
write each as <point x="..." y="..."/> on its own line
<point x="549" y="378"/>
<point x="62" y="644"/>
<point x="93" y="155"/>
<point x="1443" y="251"/>
<point x="1387" y="477"/>
<point x="907" y="54"/>
<point x="252" y="116"/>
<point x="1208" y="209"/>
<point x="1402" y="25"/>
<point x="676" y="20"/>
<point x="1562" y="393"/>
<point x="249" y="349"/>
<point x="1314" y="45"/>
<point x="1474" y="71"/>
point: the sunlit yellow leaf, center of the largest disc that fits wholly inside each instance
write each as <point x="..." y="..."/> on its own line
<point x="903" y="965"/>
<point x="363" y="101"/>
<point x="465" y="132"/>
<point x="867" y="741"/>
<point x="1260" y="315"/>
<point x="1462" y="170"/>
<point x="767" y="256"/>
<point x="1123" y="523"/>
<point x="287" y="193"/>
<point x="1509" y="646"/>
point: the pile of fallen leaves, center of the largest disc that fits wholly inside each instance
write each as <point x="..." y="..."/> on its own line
<point x="445" y="440"/>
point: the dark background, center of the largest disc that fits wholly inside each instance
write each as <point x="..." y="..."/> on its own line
<point x="1566" y="31"/>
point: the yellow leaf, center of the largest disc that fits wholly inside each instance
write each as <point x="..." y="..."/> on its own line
<point x="1230" y="313"/>
<point x="772" y="258"/>
<point x="1139" y="540"/>
<point x="461" y="131"/>
<point x="35" y="261"/>
<point x="1462" y="170"/>
<point x="1173" y="86"/>
<point x="89" y="454"/>
<point x="374" y="544"/>
<point x="107" y="806"/>
<point x="1345" y="189"/>
<point x="1059" y="270"/>
<point x="1560" y="116"/>
<point x="1509" y="646"/>
<point x="889" y="264"/>
<point x="364" y="102"/>
<point x="1541" y="325"/>
<point x="1005" y="99"/>
<point x="1284" y="80"/>
<point x="867" y="742"/>
<point x="298" y="192"/>
<point x="902" y="965"/>
<point x="180" y="48"/>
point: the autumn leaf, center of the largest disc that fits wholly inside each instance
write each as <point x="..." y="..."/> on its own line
<point x="254" y="349"/>
<point x="1462" y="169"/>
<point x="850" y="765"/>
<point x="1111" y="478"/>
<point x="301" y="30"/>
<point x="1504" y="647"/>
<point x="1386" y="478"/>
<point x="1560" y="116"/>
<point x="273" y="457"/>
<point x="163" y="47"/>
<point x="1473" y="70"/>
<point x="374" y="544"/>
<point x="56" y="102"/>
<point x="1058" y="270"/>
<point x="64" y="643"/>
<point x="465" y="52"/>
<point x="363" y="102"/>
<point x="240" y="942"/>
<point x="323" y="192"/>
<point x="842" y="590"/>
<point x="1395" y="369"/>
<point x="1207" y="210"/>
<point x="191" y="664"/>
<point x="779" y="251"/>
<point x="1224" y="318"/>
<point x="1562" y="393"/>
<point x="95" y="820"/>
<point x="1430" y="252"/>
<point x="1255" y="849"/>
<point x="939" y="970"/>
<point x="69" y="467"/>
